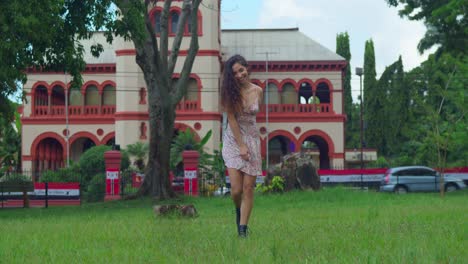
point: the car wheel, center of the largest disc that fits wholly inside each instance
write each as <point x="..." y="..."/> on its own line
<point x="400" y="190"/>
<point x="450" y="188"/>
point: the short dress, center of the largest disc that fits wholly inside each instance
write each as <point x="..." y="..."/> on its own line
<point x="248" y="128"/>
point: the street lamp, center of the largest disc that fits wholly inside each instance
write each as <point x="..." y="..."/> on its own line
<point x="360" y="72"/>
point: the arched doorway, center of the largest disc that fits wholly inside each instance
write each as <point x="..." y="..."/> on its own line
<point x="317" y="144"/>
<point x="79" y="146"/>
<point x="278" y="147"/>
<point x="48" y="155"/>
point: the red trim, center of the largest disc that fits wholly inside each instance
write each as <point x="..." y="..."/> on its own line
<point x="297" y="66"/>
<point x="57" y="185"/>
<point x="351" y="171"/>
<point x="320" y="133"/>
<point x="27" y="158"/>
<point x="91" y="68"/>
<point x="83" y="134"/>
<point x="178" y="10"/>
<point x="299" y="118"/>
<point x="125" y="52"/>
<point x="180" y="116"/>
<point x="45" y="135"/>
<point x="107" y="138"/>
<point x="132" y="52"/>
<point x="338" y="155"/>
<point x="84" y="120"/>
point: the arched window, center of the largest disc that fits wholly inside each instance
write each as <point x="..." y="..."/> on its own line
<point x="273" y="94"/>
<point x="157" y="21"/>
<point x="108" y="95"/>
<point x="75" y="97"/>
<point x="174" y="22"/>
<point x="323" y="93"/>
<point x="92" y="95"/>
<point x="192" y="90"/>
<point x="288" y="95"/>
<point x="41" y="96"/>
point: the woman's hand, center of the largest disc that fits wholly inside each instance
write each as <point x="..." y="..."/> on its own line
<point x="244" y="152"/>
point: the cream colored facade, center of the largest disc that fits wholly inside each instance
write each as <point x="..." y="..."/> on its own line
<point x="298" y="67"/>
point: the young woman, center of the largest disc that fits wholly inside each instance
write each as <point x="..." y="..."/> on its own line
<point x="241" y="142"/>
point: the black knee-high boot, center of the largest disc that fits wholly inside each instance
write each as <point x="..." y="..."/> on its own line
<point x="243" y="230"/>
<point x="238" y="213"/>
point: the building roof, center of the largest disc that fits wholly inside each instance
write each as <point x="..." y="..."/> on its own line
<point x="287" y="44"/>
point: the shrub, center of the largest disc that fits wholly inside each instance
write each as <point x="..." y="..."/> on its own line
<point x="15" y="178"/>
<point x="97" y="188"/>
<point x="92" y="162"/>
<point x="71" y="174"/>
<point x="276" y="186"/>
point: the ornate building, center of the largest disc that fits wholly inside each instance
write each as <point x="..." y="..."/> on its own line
<point x="303" y="83"/>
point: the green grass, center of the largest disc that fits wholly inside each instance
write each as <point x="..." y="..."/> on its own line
<point x="331" y="226"/>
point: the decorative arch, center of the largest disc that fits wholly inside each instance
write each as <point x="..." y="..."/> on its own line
<point x="320" y="133"/>
<point x="305" y="80"/>
<point x="323" y="80"/>
<point x="104" y="84"/>
<point x="89" y="83"/>
<point x="324" y="144"/>
<point x="258" y="82"/>
<point x="37" y="84"/>
<point x="278" y="134"/>
<point x="158" y="9"/>
<point x="275" y="82"/>
<point x="290" y="81"/>
<point x="107" y="137"/>
<point x="43" y="136"/>
<point x="57" y="83"/>
<point x="83" y="134"/>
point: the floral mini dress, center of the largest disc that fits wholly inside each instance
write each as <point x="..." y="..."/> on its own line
<point x="248" y="128"/>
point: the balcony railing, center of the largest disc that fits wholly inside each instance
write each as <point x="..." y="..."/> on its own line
<point x="187" y="106"/>
<point x="59" y="111"/>
<point x="297" y="108"/>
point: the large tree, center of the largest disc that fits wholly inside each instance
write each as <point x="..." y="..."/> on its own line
<point x="373" y="101"/>
<point x="343" y="49"/>
<point x="47" y="34"/>
<point x="395" y="110"/>
<point x="446" y="22"/>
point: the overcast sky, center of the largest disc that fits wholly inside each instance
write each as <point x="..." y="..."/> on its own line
<point x="322" y="20"/>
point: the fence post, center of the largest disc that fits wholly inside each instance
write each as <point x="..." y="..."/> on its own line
<point x="46" y="194"/>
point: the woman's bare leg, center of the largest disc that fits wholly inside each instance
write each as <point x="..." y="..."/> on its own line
<point x="249" y="183"/>
<point x="237" y="180"/>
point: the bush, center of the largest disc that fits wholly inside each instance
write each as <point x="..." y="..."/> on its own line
<point x="276" y="186"/>
<point x="96" y="190"/>
<point x="71" y="174"/>
<point x="15" y="178"/>
<point x="92" y="162"/>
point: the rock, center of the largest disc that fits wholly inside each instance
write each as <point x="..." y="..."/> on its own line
<point x="181" y="210"/>
<point x="298" y="171"/>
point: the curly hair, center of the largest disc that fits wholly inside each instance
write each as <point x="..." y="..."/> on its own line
<point x="231" y="98"/>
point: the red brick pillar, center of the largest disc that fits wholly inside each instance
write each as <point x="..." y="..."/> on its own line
<point x="190" y="159"/>
<point x="112" y="159"/>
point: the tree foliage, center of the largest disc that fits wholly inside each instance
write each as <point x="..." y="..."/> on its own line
<point x="343" y="49"/>
<point x="46" y="35"/>
<point x="373" y="100"/>
<point x="446" y="22"/>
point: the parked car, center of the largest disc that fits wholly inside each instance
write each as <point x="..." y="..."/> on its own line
<point x="417" y="179"/>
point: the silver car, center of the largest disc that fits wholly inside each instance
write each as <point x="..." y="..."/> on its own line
<point x="417" y="179"/>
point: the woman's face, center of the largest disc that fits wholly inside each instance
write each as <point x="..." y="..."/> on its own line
<point x="240" y="73"/>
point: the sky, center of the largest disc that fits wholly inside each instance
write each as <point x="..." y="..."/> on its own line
<point x="322" y="20"/>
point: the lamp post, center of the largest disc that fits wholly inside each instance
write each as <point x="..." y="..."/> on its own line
<point x="360" y="72"/>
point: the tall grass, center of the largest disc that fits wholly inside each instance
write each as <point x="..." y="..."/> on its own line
<point x="334" y="225"/>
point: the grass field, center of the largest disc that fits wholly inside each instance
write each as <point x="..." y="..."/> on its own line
<point x="334" y="225"/>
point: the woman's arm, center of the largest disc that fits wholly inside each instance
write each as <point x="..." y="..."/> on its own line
<point x="244" y="151"/>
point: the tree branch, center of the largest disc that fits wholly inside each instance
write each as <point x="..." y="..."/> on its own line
<point x="164" y="35"/>
<point x="190" y="58"/>
<point x="178" y="38"/>
<point x="446" y="88"/>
